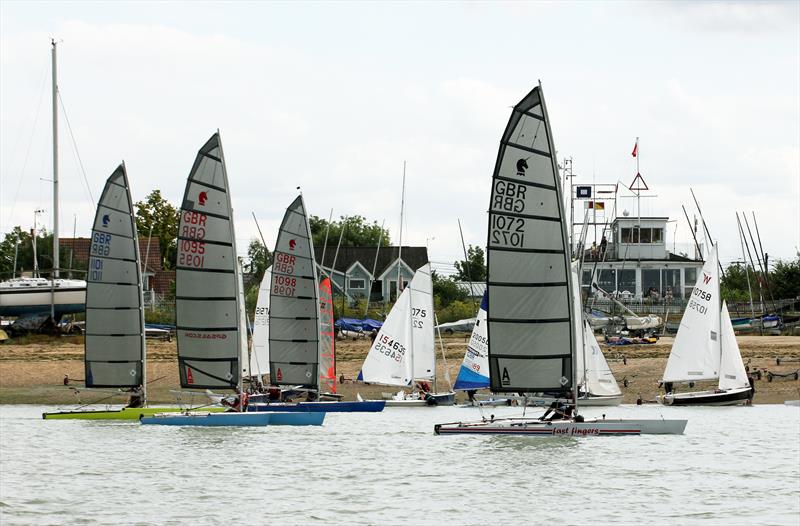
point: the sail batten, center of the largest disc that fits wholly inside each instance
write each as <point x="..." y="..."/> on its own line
<point x="209" y="308"/>
<point x="529" y="309"/>
<point x="114" y="336"/>
<point x="294" y="307"/>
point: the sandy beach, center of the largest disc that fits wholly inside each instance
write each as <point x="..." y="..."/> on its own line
<point x="32" y="371"/>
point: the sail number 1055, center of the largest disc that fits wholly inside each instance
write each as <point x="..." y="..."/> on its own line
<point x="507" y="231"/>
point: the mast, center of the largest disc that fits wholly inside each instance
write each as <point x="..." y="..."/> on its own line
<point x="374" y="268"/>
<point x="55" y="162"/>
<point x="746" y="272"/>
<point x="400" y="246"/>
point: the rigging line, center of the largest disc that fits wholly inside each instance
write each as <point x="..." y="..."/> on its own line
<point x="28" y="150"/>
<point x="75" y="147"/>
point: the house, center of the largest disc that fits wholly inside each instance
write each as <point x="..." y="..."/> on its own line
<point x="635" y="262"/>
<point x="155" y="278"/>
<point x="360" y="272"/>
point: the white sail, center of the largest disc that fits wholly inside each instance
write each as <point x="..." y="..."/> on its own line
<point x="731" y="370"/>
<point x="115" y="344"/>
<point x="474" y="371"/>
<point x="207" y="299"/>
<point x="294" y="303"/>
<point x="695" y="353"/>
<point x="389" y="358"/>
<point x="259" y="358"/>
<point x="599" y="379"/>
<point x="244" y="347"/>
<point x="422" y="323"/>
<point x="530" y="311"/>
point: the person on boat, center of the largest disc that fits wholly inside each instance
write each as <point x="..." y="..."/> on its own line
<point x="558" y="410"/>
<point x="603" y="244"/>
<point x="424" y="387"/>
<point x="136" y="398"/>
<point x="274" y="393"/>
<point x="471" y="395"/>
<point x="237" y="402"/>
<point x="752" y="381"/>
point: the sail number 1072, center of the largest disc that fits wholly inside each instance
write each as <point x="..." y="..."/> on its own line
<point x="507" y="231"/>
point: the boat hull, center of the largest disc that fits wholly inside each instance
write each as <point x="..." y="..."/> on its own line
<point x="591" y="401"/>
<point x="368" y="406"/>
<point x="127" y="413"/>
<point x="208" y="419"/>
<point x="563" y="428"/>
<point x="729" y="397"/>
<point x="430" y="400"/>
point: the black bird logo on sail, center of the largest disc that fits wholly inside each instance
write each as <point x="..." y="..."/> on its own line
<point x="522" y="165"/>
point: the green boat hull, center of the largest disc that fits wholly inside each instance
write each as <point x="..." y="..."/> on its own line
<point x="127" y="413"/>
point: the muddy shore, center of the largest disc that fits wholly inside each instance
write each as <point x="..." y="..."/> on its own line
<point x="32" y="370"/>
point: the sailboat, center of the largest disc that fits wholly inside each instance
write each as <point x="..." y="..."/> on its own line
<point x="259" y="358"/>
<point x="300" y="325"/>
<point x="209" y="301"/>
<point x="403" y="351"/>
<point x="532" y="332"/>
<point x="115" y="350"/>
<point x="705" y="347"/>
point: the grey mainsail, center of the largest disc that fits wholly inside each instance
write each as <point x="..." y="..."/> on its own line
<point x="115" y="344"/>
<point x="294" y="303"/>
<point x="207" y="277"/>
<point x="529" y="314"/>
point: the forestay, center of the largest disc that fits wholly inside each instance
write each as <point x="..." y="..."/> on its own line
<point x="115" y="344"/>
<point x="207" y="277"/>
<point x="474" y="371"/>
<point x="695" y="353"/>
<point x="530" y="318"/>
<point x="294" y="303"/>
<point x="259" y="359"/>
<point x="327" y="345"/>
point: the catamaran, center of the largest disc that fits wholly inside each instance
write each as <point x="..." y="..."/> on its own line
<point x="209" y="301"/>
<point x="532" y="333"/>
<point x="115" y="351"/>
<point x="705" y="348"/>
<point x="300" y="346"/>
<point x="403" y="351"/>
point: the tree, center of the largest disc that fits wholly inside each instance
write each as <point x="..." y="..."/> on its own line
<point x="24" y="252"/>
<point x="474" y="267"/>
<point x="159" y="214"/>
<point x="785" y="279"/>
<point x="357" y="232"/>
<point x="733" y="286"/>
<point x="259" y="259"/>
<point x="446" y="291"/>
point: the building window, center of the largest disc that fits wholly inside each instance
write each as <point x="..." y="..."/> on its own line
<point x="607" y="280"/>
<point x="658" y="235"/>
<point x="690" y="276"/>
<point x="651" y="283"/>
<point x="671" y="279"/>
<point x="626" y="280"/>
<point x="355" y="284"/>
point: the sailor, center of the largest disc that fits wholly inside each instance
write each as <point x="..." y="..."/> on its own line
<point x="136" y="400"/>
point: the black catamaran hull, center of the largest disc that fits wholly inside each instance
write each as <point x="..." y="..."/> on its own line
<point x="730" y="397"/>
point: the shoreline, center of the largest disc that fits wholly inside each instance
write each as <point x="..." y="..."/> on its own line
<point x="32" y="372"/>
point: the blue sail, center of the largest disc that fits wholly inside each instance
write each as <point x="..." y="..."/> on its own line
<point x="474" y="372"/>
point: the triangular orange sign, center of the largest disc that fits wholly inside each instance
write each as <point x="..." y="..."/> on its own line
<point x="279" y="375"/>
<point x="638" y="184"/>
<point x="189" y="379"/>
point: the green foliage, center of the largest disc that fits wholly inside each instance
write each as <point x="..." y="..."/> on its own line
<point x="44" y="250"/>
<point x="457" y="310"/>
<point x="355" y="309"/>
<point x="474" y="267"/>
<point x="445" y="291"/>
<point x="733" y="286"/>
<point x="159" y="214"/>
<point x="259" y="259"/>
<point x="785" y="279"/>
<point x="163" y="315"/>
<point x="357" y="232"/>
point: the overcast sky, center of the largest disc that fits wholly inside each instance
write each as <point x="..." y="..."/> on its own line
<point x="334" y="96"/>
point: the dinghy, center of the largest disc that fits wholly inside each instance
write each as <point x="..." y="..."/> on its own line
<point x="300" y="326"/>
<point x="531" y="317"/>
<point x="705" y="347"/>
<point x="403" y="351"/>
<point x="249" y="419"/>
<point x="115" y="354"/>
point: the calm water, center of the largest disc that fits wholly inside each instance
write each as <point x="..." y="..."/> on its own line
<point x="733" y="466"/>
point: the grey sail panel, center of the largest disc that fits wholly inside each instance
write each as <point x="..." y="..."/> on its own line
<point x="294" y="303"/>
<point x="207" y="306"/>
<point x="529" y="312"/>
<point x="115" y="344"/>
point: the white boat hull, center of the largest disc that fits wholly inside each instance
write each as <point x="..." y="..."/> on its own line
<point x="591" y="401"/>
<point x="29" y="296"/>
<point x="737" y="396"/>
<point x="563" y="428"/>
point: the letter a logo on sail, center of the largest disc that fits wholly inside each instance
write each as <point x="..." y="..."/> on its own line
<point x="189" y="378"/>
<point x="706" y="278"/>
<point x="506" y="380"/>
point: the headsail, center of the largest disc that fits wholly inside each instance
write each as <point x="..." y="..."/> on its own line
<point x="732" y="373"/>
<point x="474" y="372"/>
<point x="294" y="303"/>
<point x="599" y="380"/>
<point x="115" y="344"/>
<point x="695" y="353"/>
<point x="259" y="359"/>
<point x="327" y="345"/>
<point x="422" y="324"/>
<point x="530" y="318"/>
<point x="207" y="277"/>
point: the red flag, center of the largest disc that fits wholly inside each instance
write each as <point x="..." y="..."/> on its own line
<point x="635" y="149"/>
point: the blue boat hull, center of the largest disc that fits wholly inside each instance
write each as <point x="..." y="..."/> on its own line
<point x="295" y="419"/>
<point x="208" y="419"/>
<point x="371" y="406"/>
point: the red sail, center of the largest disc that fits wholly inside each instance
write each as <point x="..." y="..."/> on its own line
<point x="327" y="346"/>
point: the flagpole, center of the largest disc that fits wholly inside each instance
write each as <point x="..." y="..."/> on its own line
<point x="638" y="202"/>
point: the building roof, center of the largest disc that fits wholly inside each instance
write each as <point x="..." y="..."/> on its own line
<point x="475" y="289"/>
<point x="415" y="257"/>
<point x="81" y="246"/>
